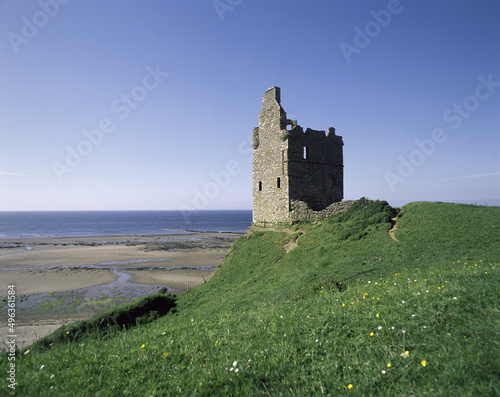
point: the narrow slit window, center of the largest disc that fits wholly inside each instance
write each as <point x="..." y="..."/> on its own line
<point x="306" y="152"/>
<point x="260" y="186"/>
<point x="278" y="183"/>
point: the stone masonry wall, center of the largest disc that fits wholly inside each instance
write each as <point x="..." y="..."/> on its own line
<point x="300" y="211"/>
<point x="316" y="167"/>
<point x="270" y="201"/>
<point x="296" y="174"/>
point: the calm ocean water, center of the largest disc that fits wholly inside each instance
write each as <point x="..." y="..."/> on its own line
<point x="108" y="223"/>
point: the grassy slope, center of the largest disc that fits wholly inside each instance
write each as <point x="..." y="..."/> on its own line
<point x="332" y="313"/>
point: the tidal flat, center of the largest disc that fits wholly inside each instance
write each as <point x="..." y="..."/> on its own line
<point x="59" y="280"/>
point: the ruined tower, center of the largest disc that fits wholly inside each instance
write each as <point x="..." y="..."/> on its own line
<point x="291" y="168"/>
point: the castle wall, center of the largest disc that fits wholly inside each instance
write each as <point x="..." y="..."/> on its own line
<point x="270" y="202"/>
<point x="291" y="166"/>
<point x="316" y="167"/>
<point x="300" y="211"/>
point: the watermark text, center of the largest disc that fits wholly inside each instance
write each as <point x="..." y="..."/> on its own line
<point x="217" y="182"/>
<point x="363" y="37"/>
<point x="452" y="116"/>
<point x="12" y="337"/>
<point x="122" y="108"/>
<point x="223" y="6"/>
<point x="31" y="26"/>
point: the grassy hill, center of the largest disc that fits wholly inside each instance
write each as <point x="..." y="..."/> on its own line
<point x="335" y="308"/>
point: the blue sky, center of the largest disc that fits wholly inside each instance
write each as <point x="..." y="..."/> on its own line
<point x="132" y="105"/>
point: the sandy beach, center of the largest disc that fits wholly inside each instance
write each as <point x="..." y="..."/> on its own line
<point x="60" y="280"/>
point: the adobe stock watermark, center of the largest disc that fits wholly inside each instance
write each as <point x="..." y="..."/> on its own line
<point x="363" y="37"/>
<point x="121" y="107"/>
<point x="216" y="183"/>
<point x="12" y="337"/>
<point x="31" y="26"/>
<point x="223" y="6"/>
<point x="452" y="116"/>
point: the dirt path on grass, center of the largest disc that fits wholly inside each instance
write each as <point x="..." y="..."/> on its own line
<point x="393" y="228"/>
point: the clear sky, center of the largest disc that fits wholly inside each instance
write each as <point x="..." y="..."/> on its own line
<point x="132" y="105"/>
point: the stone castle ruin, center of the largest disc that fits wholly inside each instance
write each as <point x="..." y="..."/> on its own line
<point x="297" y="175"/>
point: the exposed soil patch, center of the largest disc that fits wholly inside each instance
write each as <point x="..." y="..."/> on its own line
<point x="393" y="228"/>
<point x="290" y="246"/>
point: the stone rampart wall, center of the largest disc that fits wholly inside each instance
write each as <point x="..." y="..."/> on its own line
<point x="300" y="211"/>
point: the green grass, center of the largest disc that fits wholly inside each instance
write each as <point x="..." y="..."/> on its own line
<point x="143" y="311"/>
<point x="48" y="305"/>
<point x="331" y="313"/>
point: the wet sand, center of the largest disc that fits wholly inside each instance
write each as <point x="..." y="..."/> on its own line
<point x="60" y="280"/>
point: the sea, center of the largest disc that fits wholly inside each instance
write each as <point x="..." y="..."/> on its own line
<point x="33" y="224"/>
